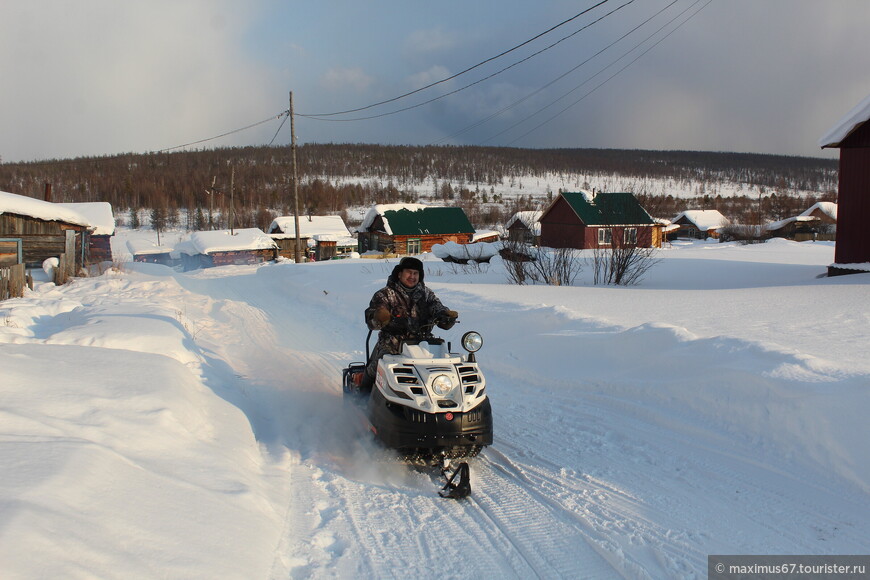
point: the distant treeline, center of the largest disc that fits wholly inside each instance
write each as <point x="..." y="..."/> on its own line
<point x="334" y="177"/>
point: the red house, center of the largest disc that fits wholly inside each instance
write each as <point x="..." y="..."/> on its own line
<point x="585" y="220"/>
<point x="852" y="137"/>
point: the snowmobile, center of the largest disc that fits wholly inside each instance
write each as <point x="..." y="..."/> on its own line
<point x="428" y="404"/>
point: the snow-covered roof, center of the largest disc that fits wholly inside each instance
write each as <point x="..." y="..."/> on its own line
<point x="704" y="219"/>
<point x="851" y="121"/>
<point x="829" y="208"/>
<point x="224" y="241"/>
<point x="339" y="240"/>
<point x="99" y="215"/>
<point x="140" y="246"/>
<point x="530" y="219"/>
<point x="483" y="234"/>
<point x="379" y="209"/>
<point x="309" y="227"/>
<point x="44" y="210"/>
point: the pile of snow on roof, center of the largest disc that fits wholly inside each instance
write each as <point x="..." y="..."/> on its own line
<point x="225" y="241"/>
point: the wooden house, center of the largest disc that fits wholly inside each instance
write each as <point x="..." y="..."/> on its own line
<point x="321" y="237"/>
<point x="852" y="137"/>
<point x="586" y="220"/>
<point x="700" y="224"/>
<point x="524" y="227"/>
<point x="225" y="248"/>
<point x="42" y="230"/>
<point x="412" y="228"/>
<point x="817" y="223"/>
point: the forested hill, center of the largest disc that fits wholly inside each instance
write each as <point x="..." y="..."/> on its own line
<point x="333" y="177"/>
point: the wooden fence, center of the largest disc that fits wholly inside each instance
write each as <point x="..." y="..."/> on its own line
<point x="12" y="281"/>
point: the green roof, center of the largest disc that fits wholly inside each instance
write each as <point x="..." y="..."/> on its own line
<point x="608" y="209"/>
<point x="430" y="220"/>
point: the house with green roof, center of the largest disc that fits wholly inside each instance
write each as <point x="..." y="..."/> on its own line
<point x="589" y="220"/>
<point x="412" y="228"/>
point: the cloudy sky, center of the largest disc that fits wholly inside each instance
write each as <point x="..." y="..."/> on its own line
<point x="101" y="77"/>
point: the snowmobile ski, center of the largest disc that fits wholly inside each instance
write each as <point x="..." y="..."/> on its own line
<point x="453" y="489"/>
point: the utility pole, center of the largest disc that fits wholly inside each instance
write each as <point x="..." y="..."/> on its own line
<point x="211" y="191"/>
<point x="297" y="251"/>
<point x="232" y="200"/>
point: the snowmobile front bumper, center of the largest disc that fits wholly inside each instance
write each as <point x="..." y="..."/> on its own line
<point x="403" y="428"/>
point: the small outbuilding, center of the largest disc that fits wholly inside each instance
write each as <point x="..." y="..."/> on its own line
<point x="589" y="220"/>
<point x="852" y="137"/>
<point x="148" y="252"/>
<point x="225" y="248"/>
<point x="322" y="236"/>
<point x="699" y="224"/>
<point x="101" y="223"/>
<point x="524" y="227"/>
<point x="412" y="228"/>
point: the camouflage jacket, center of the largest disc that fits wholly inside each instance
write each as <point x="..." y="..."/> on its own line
<point x="417" y="308"/>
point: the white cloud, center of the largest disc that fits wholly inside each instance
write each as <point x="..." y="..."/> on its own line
<point x="99" y="77"/>
<point x="429" y="41"/>
<point x="427" y="77"/>
<point x="346" y="79"/>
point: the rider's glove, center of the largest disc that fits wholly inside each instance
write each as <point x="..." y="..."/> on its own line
<point x="447" y="319"/>
<point x="381" y="316"/>
<point x="398" y="325"/>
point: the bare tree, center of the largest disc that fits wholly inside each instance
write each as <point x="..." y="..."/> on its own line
<point x="621" y="263"/>
<point x="553" y="266"/>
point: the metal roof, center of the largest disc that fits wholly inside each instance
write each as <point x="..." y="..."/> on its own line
<point x="429" y="220"/>
<point x="608" y="209"/>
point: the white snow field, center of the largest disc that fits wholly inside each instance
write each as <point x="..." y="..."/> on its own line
<point x="158" y="424"/>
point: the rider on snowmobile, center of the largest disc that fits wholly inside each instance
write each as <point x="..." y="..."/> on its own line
<point x="404" y="309"/>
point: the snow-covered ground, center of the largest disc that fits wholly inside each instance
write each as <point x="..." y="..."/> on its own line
<point x="157" y="424"/>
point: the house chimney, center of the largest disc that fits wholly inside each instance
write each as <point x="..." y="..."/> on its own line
<point x="47" y="191"/>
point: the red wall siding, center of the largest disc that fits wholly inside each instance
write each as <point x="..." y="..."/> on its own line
<point x="560" y="227"/>
<point x="853" y="206"/>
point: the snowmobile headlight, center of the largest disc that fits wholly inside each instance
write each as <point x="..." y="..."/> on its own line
<point x="442" y="384"/>
<point x="472" y="341"/>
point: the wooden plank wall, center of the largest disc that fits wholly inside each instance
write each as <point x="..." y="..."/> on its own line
<point x="12" y="281"/>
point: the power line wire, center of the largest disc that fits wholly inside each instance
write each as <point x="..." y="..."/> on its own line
<point x="477" y="82"/>
<point x="555" y="80"/>
<point x="471" y="68"/>
<point x="608" y="79"/>
<point x="278" y="116"/>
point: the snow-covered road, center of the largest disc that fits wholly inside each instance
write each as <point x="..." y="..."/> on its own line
<point x="637" y="430"/>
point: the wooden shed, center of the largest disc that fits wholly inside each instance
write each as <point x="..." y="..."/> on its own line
<point x="852" y="137"/>
<point x="412" y="228"/>
<point x="42" y="229"/>
<point x="320" y="236"/>
<point x="226" y="248"/>
<point x="101" y="224"/>
<point x="587" y="220"/>
<point x="524" y="227"/>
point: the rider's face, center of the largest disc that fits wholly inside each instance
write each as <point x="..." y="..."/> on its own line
<point x="409" y="277"/>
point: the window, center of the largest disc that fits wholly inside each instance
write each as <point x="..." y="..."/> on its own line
<point x="630" y="236"/>
<point x="605" y="236"/>
<point x="414" y="246"/>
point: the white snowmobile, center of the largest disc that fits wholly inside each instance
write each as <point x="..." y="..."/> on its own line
<point x="429" y="404"/>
